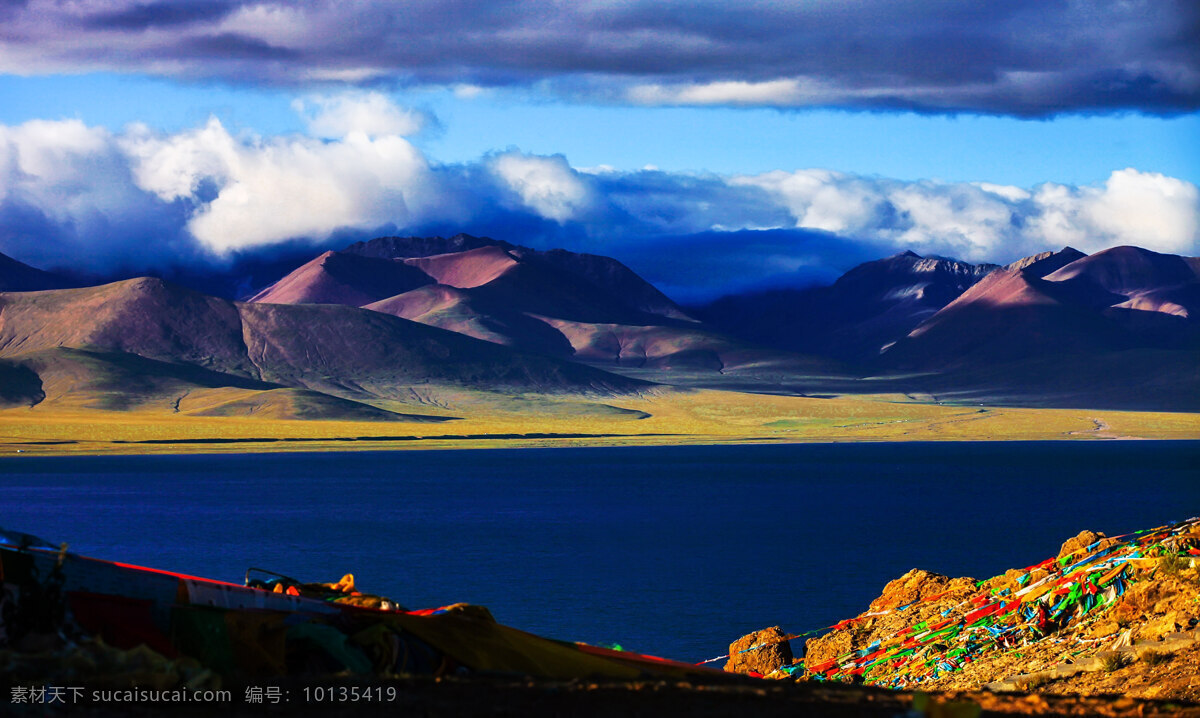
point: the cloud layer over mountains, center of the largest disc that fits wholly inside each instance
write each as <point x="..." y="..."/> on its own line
<point x="81" y="197"/>
<point x="1007" y="57"/>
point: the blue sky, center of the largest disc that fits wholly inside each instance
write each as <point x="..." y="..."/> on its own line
<point x="1075" y="149"/>
<point x="139" y="135"/>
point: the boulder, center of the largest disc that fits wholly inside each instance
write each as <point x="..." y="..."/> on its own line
<point x="1084" y="539"/>
<point x="1160" y="627"/>
<point x="768" y="652"/>
<point x="918" y="585"/>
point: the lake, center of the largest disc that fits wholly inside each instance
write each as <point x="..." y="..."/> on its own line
<point x="674" y="551"/>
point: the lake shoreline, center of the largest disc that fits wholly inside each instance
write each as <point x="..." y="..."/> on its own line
<point x="476" y="442"/>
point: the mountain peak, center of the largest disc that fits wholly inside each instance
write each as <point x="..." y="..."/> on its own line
<point x="20" y="277"/>
<point x="1128" y="270"/>
<point x="1043" y="263"/>
<point x="410" y="247"/>
<point x="343" y="278"/>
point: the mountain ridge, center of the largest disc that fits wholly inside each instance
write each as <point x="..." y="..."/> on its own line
<point x="1116" y="329"/>
<point x="151" y="327"/>
<point x="17" y="276"/>
<point x="565" y="304"/>
<point x="868" y="307"/>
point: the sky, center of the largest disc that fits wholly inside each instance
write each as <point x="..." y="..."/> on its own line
<point x="714" y="147"/>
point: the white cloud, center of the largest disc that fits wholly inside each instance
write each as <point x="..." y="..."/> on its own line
<point x="547" y="185"/>
<point x="980" y="221"/>
<point x="282" y="188"/>
<point x="277" y="24"/>
<point x="369" y="113"/>
<point x="1141" y="208"/>
<point x="783" y="92"/>
<point x="1008" y="192"/>
<point x="173" y="167"/>
<point x="468" y="92"/>
<point x="68" y="198"/>
<point x="80" y="195"/>
<point x="823" y="199"/>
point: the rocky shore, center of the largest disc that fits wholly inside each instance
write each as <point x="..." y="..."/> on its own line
<point x="1110" y="619"/>
<point x="1108" y="627"/>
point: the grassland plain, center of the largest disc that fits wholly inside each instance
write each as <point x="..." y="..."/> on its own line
<point x="666" y="417"/>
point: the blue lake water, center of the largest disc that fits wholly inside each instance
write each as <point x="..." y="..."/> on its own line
<point x="673" y="551"/>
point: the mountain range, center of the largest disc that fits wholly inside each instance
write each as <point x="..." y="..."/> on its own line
<point x="149" y="342"/>
<point x="380" y="326"/>
<point x="578" y="306"/>
<point x="854" y="318"/>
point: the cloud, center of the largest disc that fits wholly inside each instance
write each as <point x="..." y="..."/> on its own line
<point x="266" y="191"/>
<point x="772" y="93"/>
<point x="547" y="185"/>
<point x="85" y="198"/>
<point x="1009" y="57"/>
<point x="1143" y="208"/>
<point x="369" y="113"/>
<point x="988" y="222"/>
<point x="68" y="198"/>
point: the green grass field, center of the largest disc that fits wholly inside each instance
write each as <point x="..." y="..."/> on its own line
<point x="667" y="417"/>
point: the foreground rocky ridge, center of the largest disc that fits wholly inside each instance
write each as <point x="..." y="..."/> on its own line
<point x="1106" y="616"/>
<point x="1153" y="590"/>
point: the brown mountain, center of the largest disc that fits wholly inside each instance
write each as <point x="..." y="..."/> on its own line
<point x="1118" y="328"/>
<point x="600" y="272"/>
<point x="1064" y="304"/>
<point x="19" y="277"/>
<point x="559" y="303"/>
<point x="406" y="247"/>
<point x="867" y="308"/>
<point x="337" y="278"/>
<point x="1139" y="283"/>
<point x="458" y="310"/>
<point x="130" y="343"/>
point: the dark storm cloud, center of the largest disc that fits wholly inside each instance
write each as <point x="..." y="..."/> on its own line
<point x="231" y="45"/>
<point x="142" y="16"/>
<point x="1014" y="57"/>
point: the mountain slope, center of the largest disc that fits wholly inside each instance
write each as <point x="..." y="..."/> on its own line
<point x="177" y="340"/>
<point x="406" y="247"/>
<point x="338" y="278"/>
<point x="77" y="379"/>
<point x="866" y="309"/>
<point x="1060" y="306"/>
<point x="148" y="317"/>
<point x="1113" y="330"/>
<point x="19" y="277"/>
<point x="457" y="310"/>
<point x="1133" y="284"/>
<point x="604" y="273"/>
<point x="558" y="303"/>
<point x="344" y="349"/>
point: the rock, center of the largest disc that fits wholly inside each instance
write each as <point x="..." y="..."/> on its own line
<point x="1103" y="629"/>
<point x="827" y="647"/>
<point x="773" y="652"/>
<point x="1084" y="539"/>
<point x="1157" y="629"/>
<point x="917" y="585"/>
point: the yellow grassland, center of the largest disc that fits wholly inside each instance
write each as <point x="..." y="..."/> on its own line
<point x="675" y="417"/>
